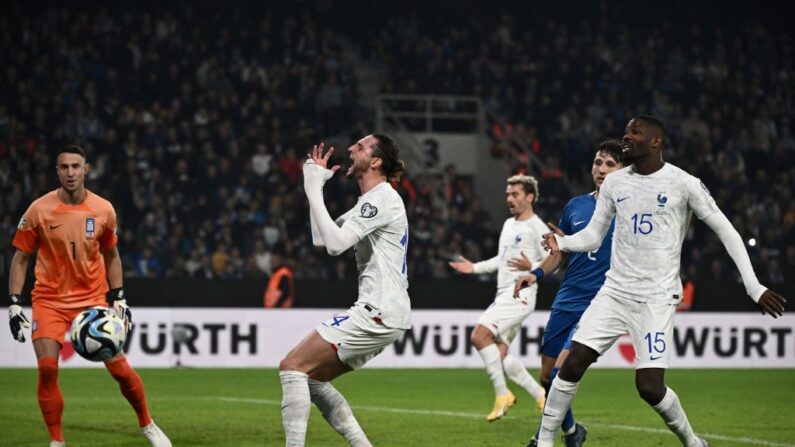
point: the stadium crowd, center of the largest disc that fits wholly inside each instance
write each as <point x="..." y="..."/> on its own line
<point x="196" y="123"/>
<point x="557" y="87"/>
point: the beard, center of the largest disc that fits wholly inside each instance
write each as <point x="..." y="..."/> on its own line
<point x="354" y="169"/>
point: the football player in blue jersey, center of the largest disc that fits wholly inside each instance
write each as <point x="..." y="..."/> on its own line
<point x="585" y="273"/>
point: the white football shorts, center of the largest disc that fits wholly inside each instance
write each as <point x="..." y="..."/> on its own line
<point x="358" y="335"/>
<point x="650" y="326"/>
<point x="505" y="315"/>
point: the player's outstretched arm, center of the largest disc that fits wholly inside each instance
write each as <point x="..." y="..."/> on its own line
<point x="16" y="281"/>
<point x="588" y="239"/>
<point x="478" y="268"/>
<point x="768" y="301"/>
<point x="731" y="239"/>
<point x="463" y="265"/>
<point x="337" y="240"/>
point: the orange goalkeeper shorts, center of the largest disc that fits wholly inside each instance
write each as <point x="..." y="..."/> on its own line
<point x="54" y="323"/>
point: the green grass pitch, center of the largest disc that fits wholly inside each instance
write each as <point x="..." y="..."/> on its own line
<point x="437" y="407"/>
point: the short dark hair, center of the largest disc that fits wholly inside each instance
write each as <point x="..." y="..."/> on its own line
<point x="387" y="150"/>
<point x="656" y="123"/>
<point x="71" y="149"/>
<point x="613" y="148"/>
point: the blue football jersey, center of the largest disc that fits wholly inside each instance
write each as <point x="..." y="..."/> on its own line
<point x="585" y="272"/>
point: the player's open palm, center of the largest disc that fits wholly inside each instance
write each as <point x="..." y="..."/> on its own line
<point x="463" y="265"/>
<point x="772" y="303"/>
<point x="520" y="263"/>
<point x="321" y="159"/>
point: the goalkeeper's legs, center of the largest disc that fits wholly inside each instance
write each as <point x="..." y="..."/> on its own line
<point x="650" y="383"/>
<point x="337" y="412"/>
<point x="132" y="387"/>
<point x="49" y="393"/>
<point x="50" y="397"/>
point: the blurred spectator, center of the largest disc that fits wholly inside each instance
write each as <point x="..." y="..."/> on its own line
<point x="196" y="117"/>
<point x="280" y="290"/>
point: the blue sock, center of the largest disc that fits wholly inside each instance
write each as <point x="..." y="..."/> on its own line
<point x="568" y="419"/>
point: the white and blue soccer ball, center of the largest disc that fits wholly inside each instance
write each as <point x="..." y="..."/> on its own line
<point x="97" y="334"/>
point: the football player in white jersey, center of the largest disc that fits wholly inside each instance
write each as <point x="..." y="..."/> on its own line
<point x="377" y="229"/>
<point x="520" y="250"/>
<point x="652" y="202"/>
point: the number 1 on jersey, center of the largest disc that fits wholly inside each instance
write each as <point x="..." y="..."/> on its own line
<point x="74" y="251"/>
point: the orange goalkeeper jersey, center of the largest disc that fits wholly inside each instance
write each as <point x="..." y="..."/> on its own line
<point x="70" y="269"/>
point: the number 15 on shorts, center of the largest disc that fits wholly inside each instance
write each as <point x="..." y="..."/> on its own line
<point x="656" y="344"/>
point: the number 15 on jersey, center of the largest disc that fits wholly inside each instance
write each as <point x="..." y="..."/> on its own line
<point x="641" y="223"/>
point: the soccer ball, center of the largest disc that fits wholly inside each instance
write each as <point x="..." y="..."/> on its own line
<point x="97" y="334"/>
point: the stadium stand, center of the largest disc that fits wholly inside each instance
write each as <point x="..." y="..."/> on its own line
<point x="196" y="125"/>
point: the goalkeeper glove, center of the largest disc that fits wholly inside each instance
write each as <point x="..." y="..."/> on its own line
<point x="16" y="318"/>
<point x="119" y="303"/>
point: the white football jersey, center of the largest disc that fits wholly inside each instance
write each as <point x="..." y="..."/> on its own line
<point x="652" y="215"/>
<point x="379" y="220"/>
<point x="516" y="237"/>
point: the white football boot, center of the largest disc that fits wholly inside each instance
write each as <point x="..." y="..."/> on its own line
<point x="155" y="435"/>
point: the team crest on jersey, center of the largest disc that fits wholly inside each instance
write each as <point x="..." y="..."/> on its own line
<point x="90" y="226"/>
<point x="368" y="210"/>
<point x="661" y="199"/>
<point x="518" y="238"/>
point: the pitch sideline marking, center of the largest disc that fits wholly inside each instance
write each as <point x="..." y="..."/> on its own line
<point x="709" y="436"/>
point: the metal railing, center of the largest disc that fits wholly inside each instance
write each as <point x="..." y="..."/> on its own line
<point x="432" y="113"/>
<point x="405" y="115"/>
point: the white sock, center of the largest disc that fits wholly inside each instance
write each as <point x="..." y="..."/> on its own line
<point x="516" y="371"/>
<point x="561" y="395"/>
<point x="491" y="359"/>
<point x="295" y="406"/>
<point x="675" y="418"/>
<point x="337" y="412"/>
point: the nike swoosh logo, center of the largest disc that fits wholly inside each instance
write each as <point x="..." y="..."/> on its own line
<point x="52" y="227"/>
<point x="654" y="358"/>
<point x="547" y="414"/>
<point x="577" y="223"/>
<point x="622" y="199"/>
<point x="285" y="406"/>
